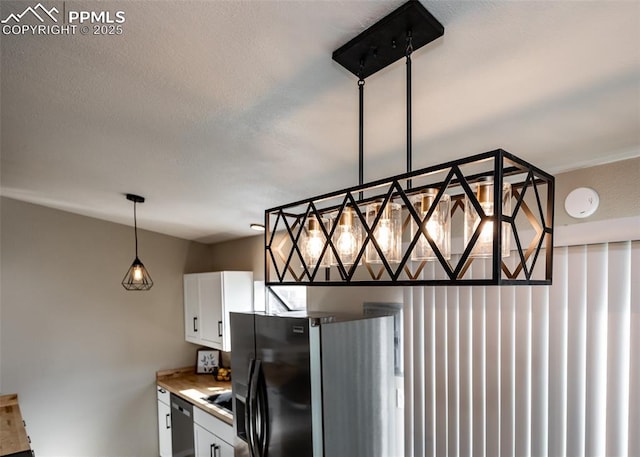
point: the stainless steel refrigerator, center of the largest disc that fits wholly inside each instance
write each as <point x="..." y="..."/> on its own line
<point x="312" y="385"/>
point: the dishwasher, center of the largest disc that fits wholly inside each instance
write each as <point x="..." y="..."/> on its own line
<point x="181" y="428"/>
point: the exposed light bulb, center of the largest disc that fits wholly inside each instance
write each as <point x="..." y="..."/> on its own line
<point x="387" y="232"/>
<point x="347" y="238"/>
<point x="346" y="241"/>
<point x="484" y="243"/>
<point x="438" y="226"/>
<point x="137" y="273"/>
<point x="486" y="234"/>
<point x="383" y="235"/>
<point x="312" y="243"/>
<point x="435" y="231"/>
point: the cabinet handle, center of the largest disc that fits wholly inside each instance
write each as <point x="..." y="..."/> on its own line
<point x="167" y="421"/>
<point x="29" y="438"/>
<point x="212" y="450"/>
<point x="161" y="390"/>
<point x="24" y="424"/>
<point x="220" y="328"/>
<point x="195" y="320"/>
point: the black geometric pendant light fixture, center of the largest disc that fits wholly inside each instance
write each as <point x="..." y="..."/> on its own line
<point x="486" y="219"/>
<point x="137" y="277"/>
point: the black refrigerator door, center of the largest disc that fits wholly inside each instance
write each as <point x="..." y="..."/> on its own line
<point x="283" y="386"/>
<point x="242" y="358"/>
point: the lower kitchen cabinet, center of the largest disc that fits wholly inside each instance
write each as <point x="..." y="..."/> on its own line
<point x="164" y="422"/>
<point x="210" y="445"/>
<point x="211" y="435"/>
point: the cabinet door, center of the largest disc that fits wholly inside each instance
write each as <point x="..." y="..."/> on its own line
<point x="192" y="318"/>
<point x="237" y="296"/>
<point x="208" y="299"/>
<point x="211" y="309"/>
<point x="205" y="441"/>
<point x="164" y="429"/>
<point x="224" y="450"/>
<point x="209" y="445"/>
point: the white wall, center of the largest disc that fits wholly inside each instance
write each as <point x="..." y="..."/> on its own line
<point x="80" y="351"/>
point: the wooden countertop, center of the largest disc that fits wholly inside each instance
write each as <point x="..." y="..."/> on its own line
<point x="13" y="436"/>
<point x="190" y="386"/>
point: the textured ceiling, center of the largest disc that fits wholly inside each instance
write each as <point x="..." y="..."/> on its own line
<point x="215" y="111"/>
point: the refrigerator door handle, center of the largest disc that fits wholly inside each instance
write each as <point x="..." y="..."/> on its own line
<point x="247" y="427"/>
<point x="255" y="412"/>
<point x="249" y="413"/>
<point x="264" y="414"/>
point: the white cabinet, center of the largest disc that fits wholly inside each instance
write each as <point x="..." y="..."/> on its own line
<point x="203" y="309"/>
<point x="209" y="445"/>
<point x="208" y="299"/>
<point x="226" y="450"/>
<point x="164" y="422"/>
<point x="212" y="437"/>
<point x="191" y="308"/>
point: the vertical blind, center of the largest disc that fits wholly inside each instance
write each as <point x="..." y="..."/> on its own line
<point x="528" y="370"/>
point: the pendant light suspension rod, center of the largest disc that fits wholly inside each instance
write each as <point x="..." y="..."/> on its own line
<point x="361" y="134"/>
<point x="361" y="130"/>
<point x="361" y="137"/>
<point x="408" y="53"/>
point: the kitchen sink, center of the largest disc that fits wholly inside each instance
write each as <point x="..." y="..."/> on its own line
<point x="222" y="400"/>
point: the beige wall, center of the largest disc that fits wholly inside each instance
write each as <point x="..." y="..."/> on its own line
<point x="617" y="184"/>
<point x="350" y="299"/>
<point x="245" y="254"/>
<point x="80" y="351"/>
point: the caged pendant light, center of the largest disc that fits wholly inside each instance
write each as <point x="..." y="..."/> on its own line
<point x="486" y="219"/>
<point x="137" y="277"/>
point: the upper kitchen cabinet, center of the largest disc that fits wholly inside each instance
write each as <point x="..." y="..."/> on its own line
<point x="208" y="299"/>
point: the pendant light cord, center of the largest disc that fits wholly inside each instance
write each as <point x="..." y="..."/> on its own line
<point x="135" y="226"/>
<point x="408" y="54"/>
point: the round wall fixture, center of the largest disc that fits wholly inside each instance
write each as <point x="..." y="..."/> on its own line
<point x="581" y="202"/>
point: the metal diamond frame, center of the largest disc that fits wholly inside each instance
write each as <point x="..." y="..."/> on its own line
<point x="130" y="283"/>
<point x="285" y="225"/>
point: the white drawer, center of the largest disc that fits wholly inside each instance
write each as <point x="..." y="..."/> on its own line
<point x="211" y="423"/>
<point x="163" y="395"/>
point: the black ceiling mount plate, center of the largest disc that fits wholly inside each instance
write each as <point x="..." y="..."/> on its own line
<point x="135" y="198"/>
<point x="386" y="41"/>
